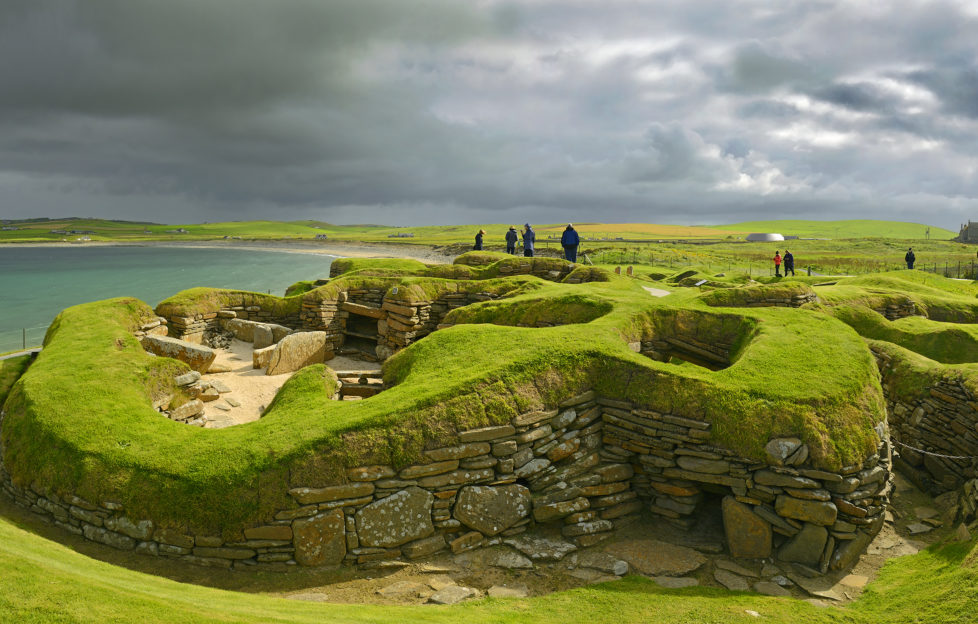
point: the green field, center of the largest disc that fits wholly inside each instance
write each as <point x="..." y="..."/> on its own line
<point x="856" y="228"/>
<point x="103" y="230"/>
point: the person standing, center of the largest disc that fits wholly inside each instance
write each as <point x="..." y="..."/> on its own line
<point x="910" y="258"/>
<point x="529" y="237"/>
<point x="569" y="240"/>
<point x="789" y="263"/>
<point x="478" y="240"/>
<point x="511" y="238"/>
<point x="777" y="264"/>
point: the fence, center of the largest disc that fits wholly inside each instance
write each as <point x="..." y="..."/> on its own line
<point x="23" y="338"/>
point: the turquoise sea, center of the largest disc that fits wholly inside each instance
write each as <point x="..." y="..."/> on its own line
<point x="38" y="282"/>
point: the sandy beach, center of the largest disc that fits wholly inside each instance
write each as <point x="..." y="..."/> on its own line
<point x="424" y="253"/>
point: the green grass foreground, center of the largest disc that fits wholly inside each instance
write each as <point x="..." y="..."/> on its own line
<point x="45" y="582"/>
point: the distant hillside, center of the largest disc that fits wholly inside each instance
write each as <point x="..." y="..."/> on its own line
<point x="856" y="228"/>
<point x="73" y="229"/>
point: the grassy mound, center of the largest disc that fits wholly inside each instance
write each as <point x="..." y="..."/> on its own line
<point x="10" y="371"/>
<point x="80" y="419"/>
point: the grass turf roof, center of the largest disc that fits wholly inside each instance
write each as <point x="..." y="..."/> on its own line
<point x="80" y="419"/>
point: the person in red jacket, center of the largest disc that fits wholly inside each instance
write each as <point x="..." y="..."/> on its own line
<point x="777" y="264"/>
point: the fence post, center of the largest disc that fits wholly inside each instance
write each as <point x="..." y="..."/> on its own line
<point x="23" y="331"/>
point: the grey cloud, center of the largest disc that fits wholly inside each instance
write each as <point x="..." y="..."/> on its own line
<point x="956" y="87"/>
<point x="859" y="97"/>
<point x="440" y="111"/>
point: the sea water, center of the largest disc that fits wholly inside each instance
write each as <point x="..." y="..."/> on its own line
<point x="36" y="283"/>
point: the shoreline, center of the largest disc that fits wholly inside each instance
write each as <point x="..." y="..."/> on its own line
<point x="423" y="253"/>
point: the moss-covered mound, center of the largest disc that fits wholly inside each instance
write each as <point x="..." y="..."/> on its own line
<point x="80" y="419"/>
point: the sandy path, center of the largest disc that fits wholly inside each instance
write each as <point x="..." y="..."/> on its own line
<point x="251" y="388"/>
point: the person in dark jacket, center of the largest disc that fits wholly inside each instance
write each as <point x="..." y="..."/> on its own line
<point x="569" y="240"/>
<point x="478" y="240"/>
<point x="789" y="263"/>
<point x="910" y="258"/>
<point x="511" y="238"/>
<point x="529" y="237"/>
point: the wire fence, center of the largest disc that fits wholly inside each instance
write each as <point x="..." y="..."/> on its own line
<point x="23" y="338"/>
<point x="677" y="259"/>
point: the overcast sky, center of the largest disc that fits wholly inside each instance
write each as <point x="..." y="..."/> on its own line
<point x="450" y="111"/>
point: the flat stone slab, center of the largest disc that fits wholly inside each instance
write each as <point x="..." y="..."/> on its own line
<point x="492" y="510"/>
<point x="501" y="591"/>
<point x="402" y="589"/>
<point x="609" y="564"/>
<point x="400" y="518"/>
<point x="541" y="548"/>
<point x="654" y="558"/>
<point x="730" y="566"/>
<point x="197" y="357"/>
<point x="453" y="594"/>
<point x="919" y="528"/>
<point x="770" y="589"/>
<point x="510" y="560"/>
<point x="731" y="581"/>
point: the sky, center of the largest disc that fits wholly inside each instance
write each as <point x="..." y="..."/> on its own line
<point x="485" y="111"/>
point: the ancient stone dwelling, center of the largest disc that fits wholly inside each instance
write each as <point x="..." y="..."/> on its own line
<point x="579" y="461"/>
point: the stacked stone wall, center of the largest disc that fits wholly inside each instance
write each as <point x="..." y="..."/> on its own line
<point x="589" y="466"/>
<point x="894" y="310"/>
<point x="192" y="328"/>
<point x="935" y="432"/>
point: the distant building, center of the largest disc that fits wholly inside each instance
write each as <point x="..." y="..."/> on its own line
<point x="9" y="228"/>
<point x="59" y="231"/>
<point x="178" y="231"/>
<point x="968" y="233"/>
<point x="401" y="235"/>
<point x="321" y="237"/>
<point x="764" y="237"/>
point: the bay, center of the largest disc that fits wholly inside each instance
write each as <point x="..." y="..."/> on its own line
<point x="36" y="283"/>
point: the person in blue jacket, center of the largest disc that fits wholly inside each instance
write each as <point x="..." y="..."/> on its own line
<point x="569" y="240"/>
<point x="529" y="237"/>
<point x="478" y="240"/>
<point x="511" y="238"/>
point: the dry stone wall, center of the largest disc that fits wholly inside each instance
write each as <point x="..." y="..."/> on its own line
<point x="591" y="465"/>
<point x="935" y="432"/>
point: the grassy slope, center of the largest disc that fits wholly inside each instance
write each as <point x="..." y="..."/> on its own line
<point x="46" y="582"/>
<point x="10" y="371"/>
<point x="854" y="228"/>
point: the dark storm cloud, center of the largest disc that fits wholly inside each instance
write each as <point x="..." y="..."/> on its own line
<point x="859" y="97"/>
<point x="442" y="111"/>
